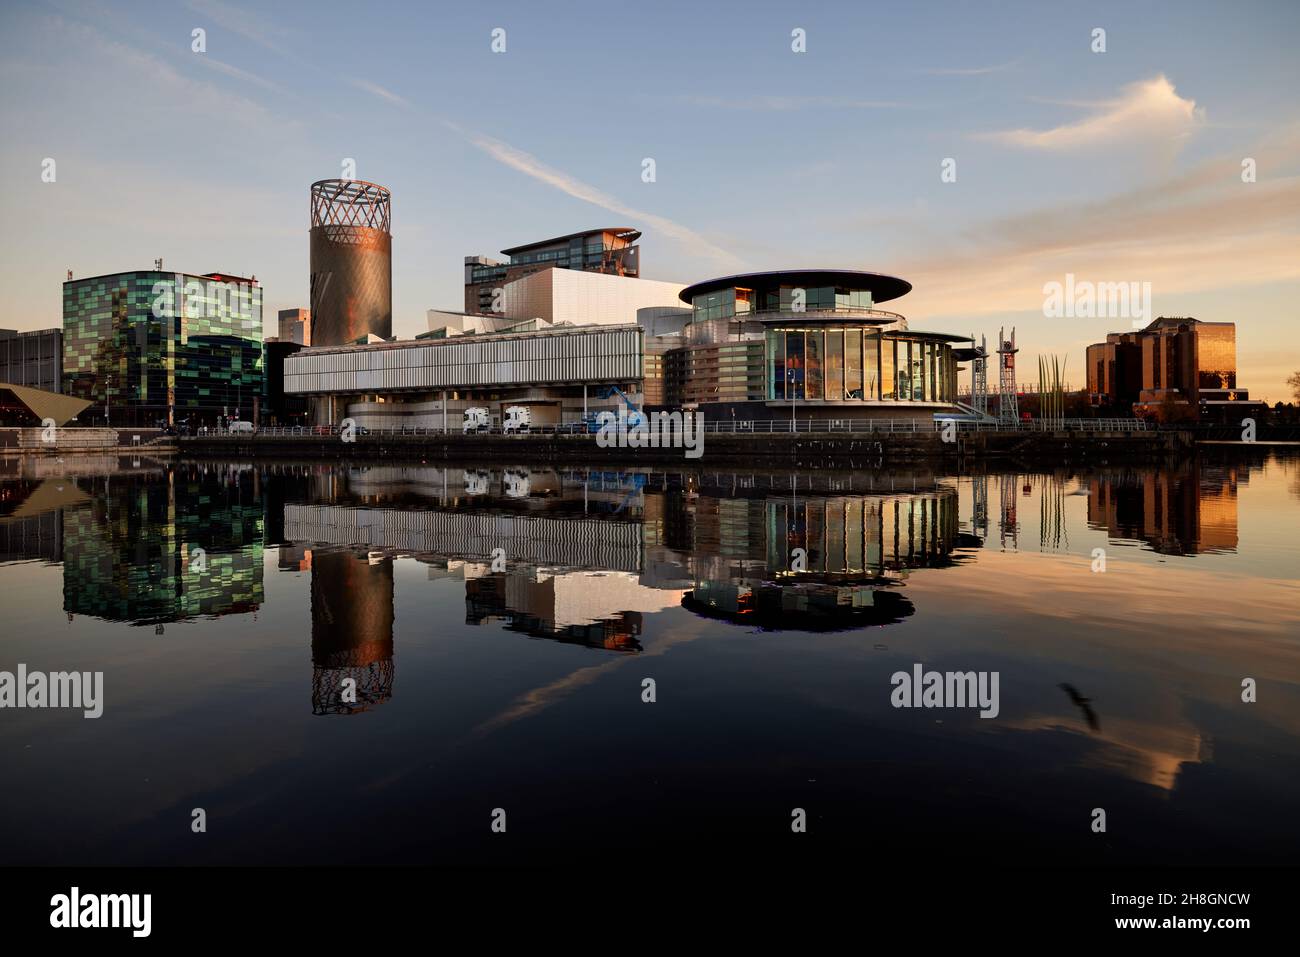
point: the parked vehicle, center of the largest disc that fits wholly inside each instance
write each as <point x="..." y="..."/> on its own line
<point x="476" y="420"/>
<point x="519" y="418"/>
<point x="241" y="428"/>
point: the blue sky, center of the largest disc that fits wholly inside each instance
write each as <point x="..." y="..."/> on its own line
<point x="1116" y="166"/>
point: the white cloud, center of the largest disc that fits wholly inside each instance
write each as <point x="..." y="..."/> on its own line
<point x="1146" y="110"/>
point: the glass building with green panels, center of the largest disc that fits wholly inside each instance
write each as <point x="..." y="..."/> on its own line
<point x="163" y="348"/>
<point x="813" y="337"/>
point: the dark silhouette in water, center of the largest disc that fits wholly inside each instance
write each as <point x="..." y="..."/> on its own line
<point x="1083" y="704"/>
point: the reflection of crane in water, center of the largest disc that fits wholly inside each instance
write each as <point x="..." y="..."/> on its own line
<point x="1008" y="525"/>
<point x="979" y="485"/>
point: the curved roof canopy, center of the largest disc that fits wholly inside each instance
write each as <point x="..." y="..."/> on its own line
<point x="882" y="288"/>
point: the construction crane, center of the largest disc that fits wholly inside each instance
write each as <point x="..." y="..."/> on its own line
<point x="1008" y="407"/>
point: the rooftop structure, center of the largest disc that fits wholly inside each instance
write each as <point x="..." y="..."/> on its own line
<point x="611" y="250"/>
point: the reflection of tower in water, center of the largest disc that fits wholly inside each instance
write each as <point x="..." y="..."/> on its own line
<point x="979" y="485"/>
<point x="1008" y="523"/>
<point x="351" y="632"/>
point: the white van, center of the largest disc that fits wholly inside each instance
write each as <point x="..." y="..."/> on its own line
<point x="241" y="428"/>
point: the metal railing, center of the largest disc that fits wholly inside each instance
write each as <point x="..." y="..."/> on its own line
<point x="870" y="426"/>
<point x="738" y="427"/>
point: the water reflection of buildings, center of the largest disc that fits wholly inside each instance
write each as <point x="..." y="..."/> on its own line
<point x="548" y="557"/>
<point x="580" y="557"/>
<point x="147" y="550"/>
<point x="814" y="561"/>
<point x="599" y="609"/>
<point x="1188" y="510"/>
<point x="31" y="518"/>
<point x="351" y="631"/>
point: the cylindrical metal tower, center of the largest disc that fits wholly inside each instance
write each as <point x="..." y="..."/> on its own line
<point x="351" y="262"/>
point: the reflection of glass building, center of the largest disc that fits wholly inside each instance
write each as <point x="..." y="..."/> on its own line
<point x="133" y="554"/>
<point x="816" y="562"/>
<point x="163" y="347"/>
<point x="1186" y="511"/>
<point x="813" y="337"/>
<point x="351" y="631"/>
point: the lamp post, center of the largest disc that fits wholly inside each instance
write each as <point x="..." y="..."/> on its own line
<point x="789" y="374"/>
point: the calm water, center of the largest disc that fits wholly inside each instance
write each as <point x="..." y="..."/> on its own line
<point x="498" y="625"/>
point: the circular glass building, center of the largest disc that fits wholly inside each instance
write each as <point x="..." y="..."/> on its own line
<point x="812" y="337"/>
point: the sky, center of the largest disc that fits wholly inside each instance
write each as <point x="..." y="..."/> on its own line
<point x="1117" y="166"/>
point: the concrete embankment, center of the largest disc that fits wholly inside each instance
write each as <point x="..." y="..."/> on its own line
<point x="783" y="449"/>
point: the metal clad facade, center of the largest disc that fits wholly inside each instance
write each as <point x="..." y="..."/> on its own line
<point x="610" y="354"/>
<point x="569" y="542"/>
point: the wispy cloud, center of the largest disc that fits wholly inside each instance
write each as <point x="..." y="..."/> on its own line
<point x="229" y="70"/>
<point x="1146" y="110"/>
<point x="1196" y="233"/>
<point x="971" y="71"/>
<point x="382" y="92"/>
<point x="245" y="23"/>
<point x="784" y="104"/>
<point x="531" y="166"/>
<point x="162" y="76"/>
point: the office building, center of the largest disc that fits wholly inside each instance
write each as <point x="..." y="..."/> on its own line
<point x="760" y="343"/>
<point x="295" y="326"/>
<point x="611" y="251"/>
<point x="279" y="409"/>
<point x="561" y="376"/>
<point x="756" y="347"/>
<point x="1173" y="367"/>
<point x="163" y="348"/>
<point x="33" y="359"/>
<point x="1115" y="370"/>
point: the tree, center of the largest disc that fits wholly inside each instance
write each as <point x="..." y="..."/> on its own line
<point x="1293" y="383"/>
